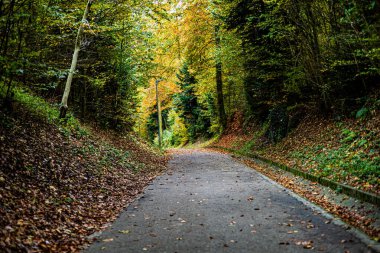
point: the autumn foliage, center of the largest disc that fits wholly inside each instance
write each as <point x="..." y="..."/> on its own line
<point x="57" y="189"/>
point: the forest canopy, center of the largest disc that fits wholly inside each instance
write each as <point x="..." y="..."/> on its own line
<point x="263" y="59"/>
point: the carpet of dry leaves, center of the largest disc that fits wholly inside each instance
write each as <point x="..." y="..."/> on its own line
<point x="56" y="190"/>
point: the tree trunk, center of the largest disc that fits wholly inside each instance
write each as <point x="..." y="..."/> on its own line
<point x="219" y="80"/>
<point x="7" y="29"/>
<point x="159" y="115"/>
<point x="315" y="59"/>
<point x="74" y="61"/>
<point x="1" y="7"/>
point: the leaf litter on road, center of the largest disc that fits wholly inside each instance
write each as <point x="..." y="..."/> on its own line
<point x="314" y="193"/>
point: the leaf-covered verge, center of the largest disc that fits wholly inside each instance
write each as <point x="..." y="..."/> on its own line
<point x="345" y="151"/>
<point x="59" y="182"/>
<point x="364" y="216"/>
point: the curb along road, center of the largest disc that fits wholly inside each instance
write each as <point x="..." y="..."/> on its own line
<point x="348" y="190"/>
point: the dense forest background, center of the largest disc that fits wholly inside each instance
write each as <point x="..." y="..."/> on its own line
<point x="37" y="44"/>
<point x="267" y="61"/>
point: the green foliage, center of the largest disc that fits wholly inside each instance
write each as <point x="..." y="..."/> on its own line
<point x="195" y="117"/>
<point x="254" y="143"/>
<point x="322" y="54"/>
<point x="211" y="113"/>
<point x="362" y="113"/>
<point x="248" y="146"/>
<point x="108" y="156"/>
<point x="348" y="135"/>
<point x="278" y="123"/>
<point x="354" y="158"/>
<point x="177" y="134"/>
<point x="113" y="155"/>
<point x="115" y="57"/>
<point x="38" y="106"/>
<point x="313" y="52"/>
<point x="152" y="125"/>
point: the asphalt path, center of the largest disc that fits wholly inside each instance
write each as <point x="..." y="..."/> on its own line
<point x="208" y="202"/>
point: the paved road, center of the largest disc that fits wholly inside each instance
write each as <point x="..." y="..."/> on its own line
<point x="207" y="202"/>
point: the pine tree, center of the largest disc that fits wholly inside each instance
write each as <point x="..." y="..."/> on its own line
<point x="187" y="105"/>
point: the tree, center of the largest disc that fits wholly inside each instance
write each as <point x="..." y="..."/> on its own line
<point x="74" y="61"/>
<point x="219" y="80"/>
<point x="186" y="103"/>
<point x="305" y="54"/>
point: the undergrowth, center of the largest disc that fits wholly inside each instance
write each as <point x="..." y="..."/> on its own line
<point x="70" y="126"/>
<point x="356" y="158"/>
<point x="43" y="110"/>
<point x="59" y="182"/>
<point x="346" y="151"/>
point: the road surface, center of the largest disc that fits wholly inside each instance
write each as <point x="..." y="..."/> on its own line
<point x="207" y="202"/>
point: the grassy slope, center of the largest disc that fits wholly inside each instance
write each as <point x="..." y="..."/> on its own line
<point x="58" y="182"/>
<point x="346" y="151"/>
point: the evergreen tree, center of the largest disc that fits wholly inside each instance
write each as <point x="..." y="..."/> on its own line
<point x="187" y="105"/>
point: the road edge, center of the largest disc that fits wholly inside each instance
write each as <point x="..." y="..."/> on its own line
<point x="372" y="244"/>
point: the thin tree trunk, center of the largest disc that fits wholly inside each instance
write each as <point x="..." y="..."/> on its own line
<point x="7" y="30"/>
<point x="74" y="61"/>
<point x="1" y="7"/>
<point x="316" y="57"/>
<point x="219" y="80"/>
<point x="9" y="95"/>
<point x="159" y="115"/>
<point x="230" y="93"/>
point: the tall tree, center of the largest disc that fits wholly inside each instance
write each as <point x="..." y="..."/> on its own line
<point x="219" y="79"/>
<point x="305" y="53"/>
<point x="74" y="61"/>
<point x="187" y="105"/>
